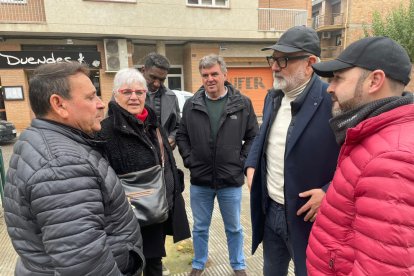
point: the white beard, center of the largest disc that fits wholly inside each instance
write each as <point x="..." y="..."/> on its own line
<point x="291" y="82"/>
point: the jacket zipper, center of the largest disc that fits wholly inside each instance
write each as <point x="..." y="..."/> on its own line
<point x="331" y="262"/>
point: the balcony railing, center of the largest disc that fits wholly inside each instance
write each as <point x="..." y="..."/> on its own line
<point x="328" y="20"/>
<point x="22" y="11"/>
<point x="281" y="19"/>
<point x="330" y="52"/>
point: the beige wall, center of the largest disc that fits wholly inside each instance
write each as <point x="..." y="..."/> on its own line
<point x="147" y="19"/>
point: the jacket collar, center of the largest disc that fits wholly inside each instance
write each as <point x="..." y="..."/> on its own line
<point x="298" y="102"/>
<point x="305" y="108"/>
<point x="68" y="131"/>
<point x="234" y="99"/>
<point x="366" y="128"/>
<point x="125" y="122"/>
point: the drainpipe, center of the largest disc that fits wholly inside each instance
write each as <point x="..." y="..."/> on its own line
<point x="346" y="23"/>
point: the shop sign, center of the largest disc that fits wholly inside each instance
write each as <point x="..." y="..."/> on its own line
<point x="32" y="59"/>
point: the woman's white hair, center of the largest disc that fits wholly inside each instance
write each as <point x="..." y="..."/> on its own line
<point x="128" y="76"/>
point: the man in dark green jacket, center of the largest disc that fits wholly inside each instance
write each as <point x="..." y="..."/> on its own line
<point x="214" y="137"/>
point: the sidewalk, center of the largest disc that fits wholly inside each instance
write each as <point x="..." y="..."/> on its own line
<point x="218" y="256"/>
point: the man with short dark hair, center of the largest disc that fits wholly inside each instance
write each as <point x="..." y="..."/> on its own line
<point x="215" y="135"/>
<point x="161" y="99"/>
<point x="365" y="224"/>
<point x="292" y="160"/>
<point x="65" y="208"/>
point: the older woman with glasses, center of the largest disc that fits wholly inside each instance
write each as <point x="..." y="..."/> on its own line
<point x="131" y="144"/>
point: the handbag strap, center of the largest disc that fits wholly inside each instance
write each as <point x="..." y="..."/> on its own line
<point x="161" y="145"/>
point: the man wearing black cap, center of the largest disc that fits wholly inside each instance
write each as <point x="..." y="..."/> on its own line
<point x="365" y="225"/>
<point x="292" y="160"/>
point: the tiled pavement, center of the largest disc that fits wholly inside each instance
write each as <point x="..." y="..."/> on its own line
<point x="218" y="255"/>
<point x="219" y="263"/>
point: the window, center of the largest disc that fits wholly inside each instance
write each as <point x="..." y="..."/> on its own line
<point x="175" y="77"/>
<point x="209" y="3"/>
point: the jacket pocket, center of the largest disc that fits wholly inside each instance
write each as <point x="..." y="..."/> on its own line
<point x="136" y="260"/>
<point x="181" y="184"/>
<point x="187" y="161"/>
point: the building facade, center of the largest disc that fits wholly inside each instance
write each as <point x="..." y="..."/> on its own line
<point x="341" y="22"/>
<point x="112" y="34"/>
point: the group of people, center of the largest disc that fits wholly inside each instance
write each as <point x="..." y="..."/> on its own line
<point x="330" y="170"/>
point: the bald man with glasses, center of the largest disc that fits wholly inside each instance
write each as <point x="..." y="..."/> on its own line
<point x="292" y="160"/>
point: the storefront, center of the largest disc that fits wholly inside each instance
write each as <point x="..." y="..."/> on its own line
<point x="16" y="67"/>
<point x="253" y="82"/>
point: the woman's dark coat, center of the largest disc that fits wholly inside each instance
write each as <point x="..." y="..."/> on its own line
<point x="130" y="146"/>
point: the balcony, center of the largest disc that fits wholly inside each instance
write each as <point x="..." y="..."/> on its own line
<point x="22" y="11"/>
<point x="281" y="19"/>
<point x="330" y="52"/>
<point x="328" y="22"/>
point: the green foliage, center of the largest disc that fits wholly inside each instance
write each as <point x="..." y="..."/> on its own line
<point x="398" y="25"/>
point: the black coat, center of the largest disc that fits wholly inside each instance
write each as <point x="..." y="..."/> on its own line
<point x="218" y="164"/>
<point x="310" y="160"/>
<point x="130" y="146"/>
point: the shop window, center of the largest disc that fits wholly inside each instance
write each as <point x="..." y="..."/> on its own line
<point x="209" y="3"/>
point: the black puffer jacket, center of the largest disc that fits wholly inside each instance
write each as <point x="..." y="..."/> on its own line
<point x="65" y="208"/>
<point x="219" y="164"/>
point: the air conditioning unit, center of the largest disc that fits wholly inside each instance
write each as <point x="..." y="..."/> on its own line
<point x="326" y="35"/>
<point x="116" y="54"/>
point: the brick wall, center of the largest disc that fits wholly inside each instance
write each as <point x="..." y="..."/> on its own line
<point x="193" y="52"/>
<point x="18" y="112"/>
<point x="32" y="11"/>
<point x="284" y="4"/>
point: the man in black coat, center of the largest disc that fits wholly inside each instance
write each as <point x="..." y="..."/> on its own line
<point x="292" y="160"/>
<point x="161" y="99"/>
<point x="216" y="121"/>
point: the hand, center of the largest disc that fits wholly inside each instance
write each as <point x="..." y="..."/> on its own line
<point x="312" y="206"/>
<point x="172" y="142"/>
<point x="249" y="175"/>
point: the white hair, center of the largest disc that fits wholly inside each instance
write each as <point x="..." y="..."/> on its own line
<point x="128" y="76"/>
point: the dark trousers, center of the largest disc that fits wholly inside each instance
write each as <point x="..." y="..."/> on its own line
<point x="153" y="267"/>
<point x="277" y="249"/>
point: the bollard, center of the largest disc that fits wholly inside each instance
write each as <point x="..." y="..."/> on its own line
<point x="2" y="178"/>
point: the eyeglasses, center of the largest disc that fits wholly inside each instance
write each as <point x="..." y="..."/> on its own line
<point x="128" y="92"/>
<point x="282" y="61"/>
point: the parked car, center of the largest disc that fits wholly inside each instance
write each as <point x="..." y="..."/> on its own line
<point x="182" y="97"/>
<point x="7" y="131"/>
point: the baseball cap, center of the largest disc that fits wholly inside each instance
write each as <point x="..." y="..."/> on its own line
<point x="298" y="39"/>
<point x="371" y="53"/>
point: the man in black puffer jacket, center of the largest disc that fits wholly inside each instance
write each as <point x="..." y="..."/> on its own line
<point x="65" y="209"/>
<point x="215" y="134"/>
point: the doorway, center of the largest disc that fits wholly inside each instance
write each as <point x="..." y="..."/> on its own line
<point x="3" y="115"/>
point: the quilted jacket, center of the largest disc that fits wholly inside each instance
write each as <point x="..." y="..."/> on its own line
<point x="365" y="225"/>
<point x="65" y="209"/>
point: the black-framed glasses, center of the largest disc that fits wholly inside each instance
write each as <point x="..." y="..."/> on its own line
<point x="283" y="61"/>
